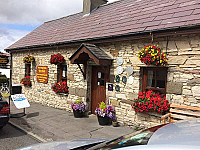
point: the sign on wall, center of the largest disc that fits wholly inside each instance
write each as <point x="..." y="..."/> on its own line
<point x="42" y="74"/>
<point x="3" y="59"/>
<point x="110" y="87"/>
<point x="20" y="101"/>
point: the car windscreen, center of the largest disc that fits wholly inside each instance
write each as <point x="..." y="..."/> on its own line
<point x="136" y="138"/>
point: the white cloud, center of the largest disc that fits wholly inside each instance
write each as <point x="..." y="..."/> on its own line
<point x="32" y="12"/>
<point x="35" y="12"/>
<point x="9" y="36"/>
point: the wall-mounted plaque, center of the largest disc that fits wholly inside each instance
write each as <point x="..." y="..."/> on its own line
<point x="124" y="79"/>
<point x="129" y="70"/>
<point x="130" y="80"/>
<point x="42" y="74"/>
<point x="110" y="87"/>
<point x="120" y="70"/>
<point x="120" y="60"/>
<point x="117" y="78"/>
<point x="117" y="88"/>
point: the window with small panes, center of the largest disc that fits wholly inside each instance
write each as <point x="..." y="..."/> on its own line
<point x="154" y="79"/>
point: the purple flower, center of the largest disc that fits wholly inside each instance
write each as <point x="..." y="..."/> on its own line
<point x="108" y="111"/>
<point x="78" y="106"/>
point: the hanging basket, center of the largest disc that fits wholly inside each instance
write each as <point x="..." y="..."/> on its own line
<point x="57" y="59"/>
<point x="152" y="55"/>
<point x="28" y="59"/>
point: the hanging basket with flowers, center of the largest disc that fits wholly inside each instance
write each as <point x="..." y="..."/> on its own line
<point x="151" y="102"/>
<point x="26" y="81"/>
<point x="152" y="55"/>
<point x="60" y="87"/>
<point x="57" y="59"/>
<point x="28" y="59"/>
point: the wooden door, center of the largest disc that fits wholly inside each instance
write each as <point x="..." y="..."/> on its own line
<point x="98" y="91"/>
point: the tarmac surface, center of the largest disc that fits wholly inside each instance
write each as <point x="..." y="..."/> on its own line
<point x="11" y="138"/>
<point x="50" y="124"/>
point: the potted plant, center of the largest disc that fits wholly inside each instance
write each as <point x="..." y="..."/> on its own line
<point x="26" y="81"/>
<point x="105" y="114"/>
<point x="57" y="59"/>
<point x="28" y="59"/>
<point x="61" y="87"/>
<point x="152" y="55"/>
<point x="78" y="108"/>
<point x="151" y="101"/>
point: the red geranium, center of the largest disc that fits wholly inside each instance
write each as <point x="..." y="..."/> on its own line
<point x="57" y="59"/>
<point x="151" y="101"/>
<point x="60" y="87"/>
<point x="26" y="81"/>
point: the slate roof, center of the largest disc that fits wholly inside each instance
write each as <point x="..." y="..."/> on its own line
<point x="115" y="19"/>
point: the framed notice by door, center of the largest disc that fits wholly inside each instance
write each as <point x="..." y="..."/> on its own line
<point x="42" y="74"/>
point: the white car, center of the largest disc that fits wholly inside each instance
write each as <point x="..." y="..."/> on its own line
<point x="180" y="135"/>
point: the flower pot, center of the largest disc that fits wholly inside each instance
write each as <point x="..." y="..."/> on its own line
<point x="104" y="120"/>
<point x="78" y="114"/>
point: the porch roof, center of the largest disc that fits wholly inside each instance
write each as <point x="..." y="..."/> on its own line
<point x="87" y="51"/>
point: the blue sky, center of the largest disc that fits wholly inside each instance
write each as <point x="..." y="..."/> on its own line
<point x="18" y="27"/>
<point x="20" y="17"/>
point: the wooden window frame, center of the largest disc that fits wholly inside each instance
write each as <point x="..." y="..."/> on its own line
<point x="145" y="76"/>
<point x="27" y="69"/>
<point x="60" y="73"/>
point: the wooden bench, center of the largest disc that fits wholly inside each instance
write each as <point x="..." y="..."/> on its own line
<point x="181" y="112"/>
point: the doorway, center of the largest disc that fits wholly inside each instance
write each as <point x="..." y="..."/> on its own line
<point x="98" y="86"/>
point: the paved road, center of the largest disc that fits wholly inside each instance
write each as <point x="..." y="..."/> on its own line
<point x="12" y="138"/>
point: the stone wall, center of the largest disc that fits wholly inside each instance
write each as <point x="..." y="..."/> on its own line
<point x="42" y="93"/>
<point x="184" y="71"/>
<point x="183" y="79"/>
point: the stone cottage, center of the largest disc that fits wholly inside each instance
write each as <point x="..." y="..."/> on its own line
<point x="100" y="46"/>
